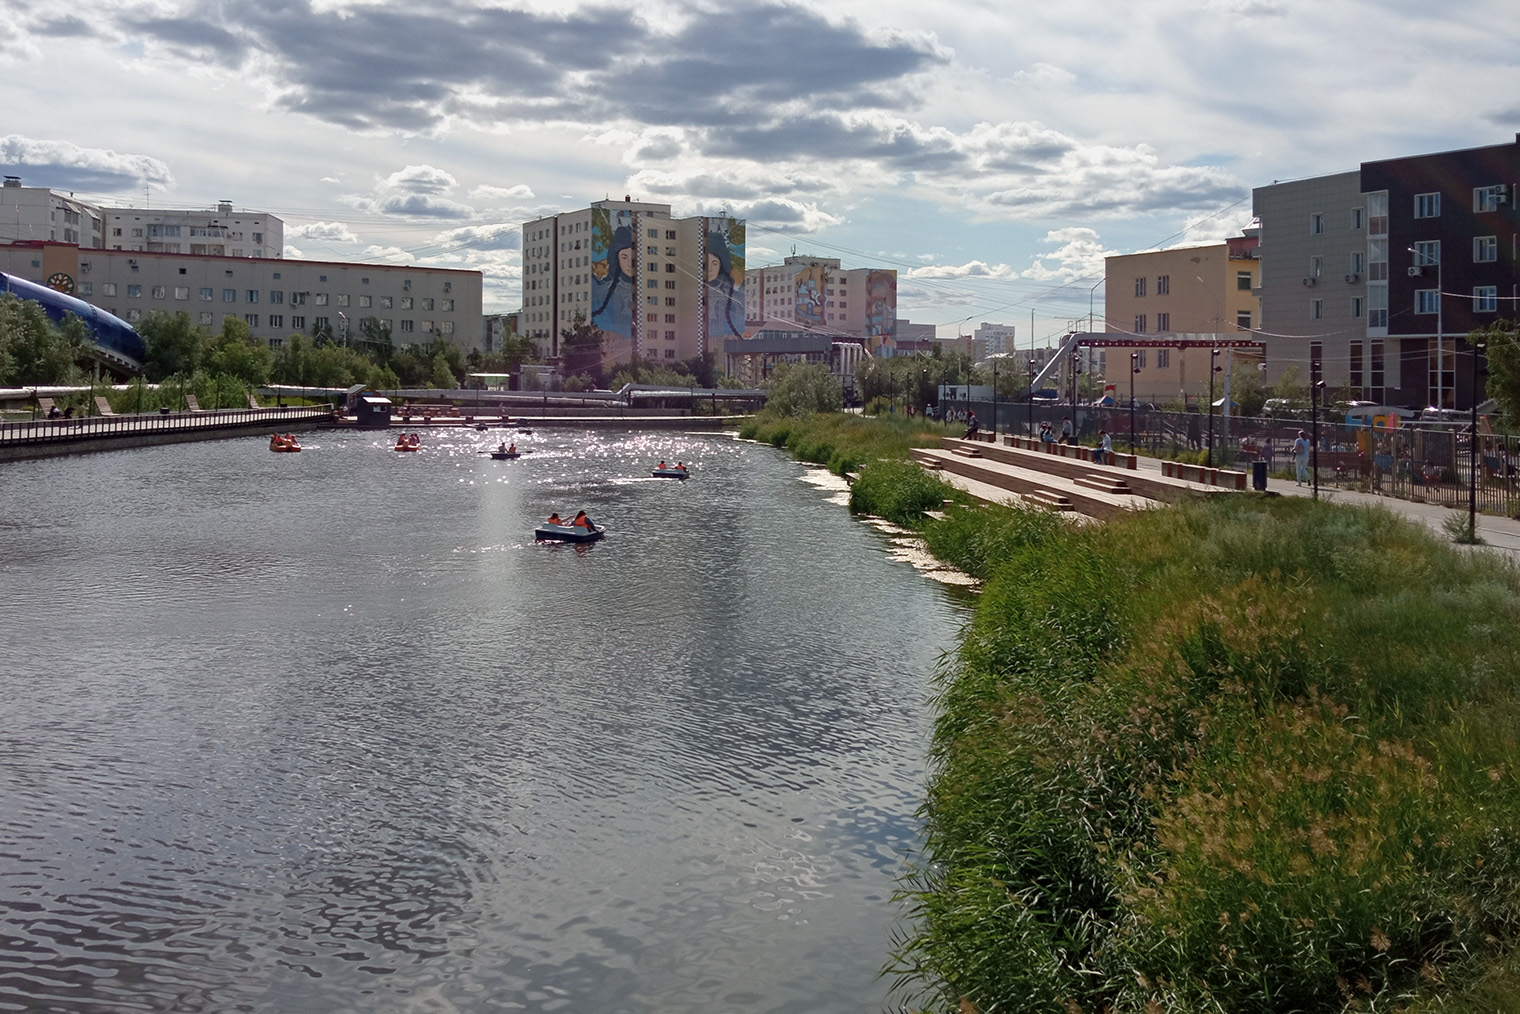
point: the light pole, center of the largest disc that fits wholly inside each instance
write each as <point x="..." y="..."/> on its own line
<point x="1213" y="369"/>
<point x="1472" y="455"/>
<point x="1031" y="395"/>
<point x="1134" y="368"/>
<point x="1315" y="385"/>
<point x="994" y="400"/>
<point x="1076" y="371"/>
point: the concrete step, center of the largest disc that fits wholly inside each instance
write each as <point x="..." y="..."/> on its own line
<point x="1105" y="484"/>
<point x="966" y="452"/>
<point x="1047" y="498"/>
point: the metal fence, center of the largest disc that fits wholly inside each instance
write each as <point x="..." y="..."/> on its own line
<point x="43" y="431"/>
<point x="1428" y="463"/>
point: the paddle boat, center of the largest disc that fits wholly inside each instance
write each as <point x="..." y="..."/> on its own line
<point x="676" y="471"/>
<point x="408" y="442"/>
<point x="505" y="453"/>
<point x="284" y="443"/>
<point x="555" y="530"/>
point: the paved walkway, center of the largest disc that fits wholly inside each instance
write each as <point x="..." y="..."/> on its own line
<point x="1499" y="534"/>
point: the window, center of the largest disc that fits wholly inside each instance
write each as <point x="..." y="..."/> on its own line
<point x="252" y="296"/>
<point x="205" y="294"/>
<point x="1163" y="358"/>
<point x="276" y="296"/>
<point x="427" y="327"/>
<point x="670" y="318"/>
<point x="1140" y="322"/>
<point x="87" y="289"/>
<point x="1485" y="249"/>
<point x="385" y="302"/>
<point x="229" y="295"/>
<point x="365" y="302"/>
<point x="1425" y="300"/>
<point x="1485" y="298"/>
<point x="1357" y="306"/>
<point x="1355" y="379"/>
<point x="1163" y="322"/>
<point x="159" y="292"/>
<point x="1243" y="320"/>
<point x="670" y="353"/>
<point x="669" y="285"/>
<point x="406" y="302"/>
<point x="1163" y="284"/>
<point x="276" y="320"/>
<point x="298" y="323"/>
<point x="1316" y="223"/>
<point x="670" y="269"/>
<point x="446" y="305"/>
<point x="1243" y="281"/>
<point x="1355" y="263"/>
<point x="108" y="288"/>
<point x="342" y="299"/>
<point x="1427" y="253"/>
<point x="1427" y="205"/>
<point x="653" y="283"/>
<point x="1377" y="213"/>
<point x="406" y="327"/>
<point x="321" y="299"/>
<point x="446" y="327"/>
<point x="670" y="301"/>
<point x="670" y="234"/>
<point x="654" y="234"/>
<point x="670" y="336"/>
<point x="1140" y="359"/>
<point x="1488" y="198"/>
<point x="298" y="299"/>
<point x="1377" y="306"/>
<point x="1316" y="266"/>
<point x="1358" y="217"/>
<point x="1316" y="309"/>
<point x="252" y="319"/>
<point x="205" y="318"/>
<point x="134" y="292"/>
<point x="427" y="302"/>
<point x="1139" y="286"/>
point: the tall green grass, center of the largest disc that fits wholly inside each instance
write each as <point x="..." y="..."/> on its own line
<point x="842" y="441"/>
<point x="1244" y="755"/>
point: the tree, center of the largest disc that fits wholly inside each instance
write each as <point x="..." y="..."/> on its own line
<point x="581" y="347"/>
<point x="443" y="376"/>
<point x="804" y="389"/>
<point x="236" y="353"/>
<point x="1502" y="341"/>
<point x="34" y="350"/>
<point x="172" y="344"/>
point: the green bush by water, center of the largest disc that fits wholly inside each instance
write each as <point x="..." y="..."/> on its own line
<point x="1247" y="755"/>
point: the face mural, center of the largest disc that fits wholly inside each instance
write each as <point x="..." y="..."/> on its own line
<point x="612" y="272"/>
<point x="881" y="308"/>
<point x="724" y="277"/>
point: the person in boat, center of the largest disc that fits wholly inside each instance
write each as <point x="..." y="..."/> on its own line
<point x="581" y="521"/>
<point x="662" y="464"/>
<point x="512" y="449"/>
<point x="502" y="449"/>
<point x="680" y="467"/>
<point x="554" y="519"/>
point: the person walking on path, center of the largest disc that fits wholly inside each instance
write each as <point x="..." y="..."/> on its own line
<point x="1301" y="457"/>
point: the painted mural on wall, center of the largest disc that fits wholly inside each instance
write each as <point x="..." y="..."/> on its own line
<point x="613" y="273"/>
<point x="725" y="279"/>
<point x="881" y="308"/>
<point x="812" y="282"/>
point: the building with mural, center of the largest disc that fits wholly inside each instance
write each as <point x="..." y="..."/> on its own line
<point x="657" y="287"/>
<point x="817" y="294"/>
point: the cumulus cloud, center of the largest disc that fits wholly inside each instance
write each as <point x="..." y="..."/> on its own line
<point x="421" y="179"/>
<point x="1078" y="254"/>
<point x="66" y="166"/>
<point x="499" y="236"/>
<point x="485" y="192"/>
<point x="327" y="232"/>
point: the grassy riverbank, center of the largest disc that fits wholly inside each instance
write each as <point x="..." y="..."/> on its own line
<point x="841" y="441"/>
<point x="1246" y="755"/>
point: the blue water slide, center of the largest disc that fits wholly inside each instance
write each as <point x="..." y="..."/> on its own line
<point x="117" y="340"/>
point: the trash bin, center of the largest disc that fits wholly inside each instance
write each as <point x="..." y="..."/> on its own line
<point x="1259" y="476"/>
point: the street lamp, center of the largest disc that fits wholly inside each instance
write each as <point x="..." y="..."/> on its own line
<point x="1134" y="368"/>
<point x="994" y="400"/>
<point x="1472" y="455"/>
<point x="1031" y="395"/>
<point x="1213" y="369"/>
<point x="1316" y="385"/>
<point x="1076" y="371"/>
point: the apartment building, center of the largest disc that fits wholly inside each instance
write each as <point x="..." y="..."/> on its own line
<point x="819" y="295"/>
<point x="1175" y="307"/>
<point x="39" y="215"/>
<point x="657" y="287"/>
<point x="275" y="298"/>
<point x="1379" y="274"/>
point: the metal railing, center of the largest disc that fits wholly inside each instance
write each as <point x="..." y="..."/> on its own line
<point x="97" y="427"/>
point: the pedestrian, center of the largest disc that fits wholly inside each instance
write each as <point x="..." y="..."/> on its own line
<point x="1104" y="449"/>
<point x="971" y="426"/>
<point x="1066" y="434"/>
<point x="1301" y="457"/>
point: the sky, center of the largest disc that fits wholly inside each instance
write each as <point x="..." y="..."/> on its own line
<point x="991" y="151"/>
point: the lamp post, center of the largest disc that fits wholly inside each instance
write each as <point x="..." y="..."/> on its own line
<point x="1213" y="369"/>
<point x="1076" y="371"/>
<point x="1315" y="386"/>
<point x="1134" y="368"/>
<point x="994" y="400"/>
<point x="1472" y="455"/>
<point x="1031" y="395"/>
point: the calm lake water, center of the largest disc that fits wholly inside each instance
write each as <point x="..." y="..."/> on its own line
<point x="328" y="732"/>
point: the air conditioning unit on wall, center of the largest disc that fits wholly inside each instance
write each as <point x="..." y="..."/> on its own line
<point x="1416" y="272"/>
<point x="1310" y="280"/>
<point x="1352" y="279"/>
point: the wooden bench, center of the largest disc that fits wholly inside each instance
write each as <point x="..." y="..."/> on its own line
<point x="192" y="404"/>
<point x="253" y="402"/>
<point x="45" y="407"/>
<point x="103" y="406"/>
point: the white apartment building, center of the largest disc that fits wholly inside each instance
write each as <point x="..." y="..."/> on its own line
<point x="817" y="294"/>
<point x="657" y="287"/>
<point x="992" y="340"/>
<point x="38" y="214"/>
<point x="274" y="297"/>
